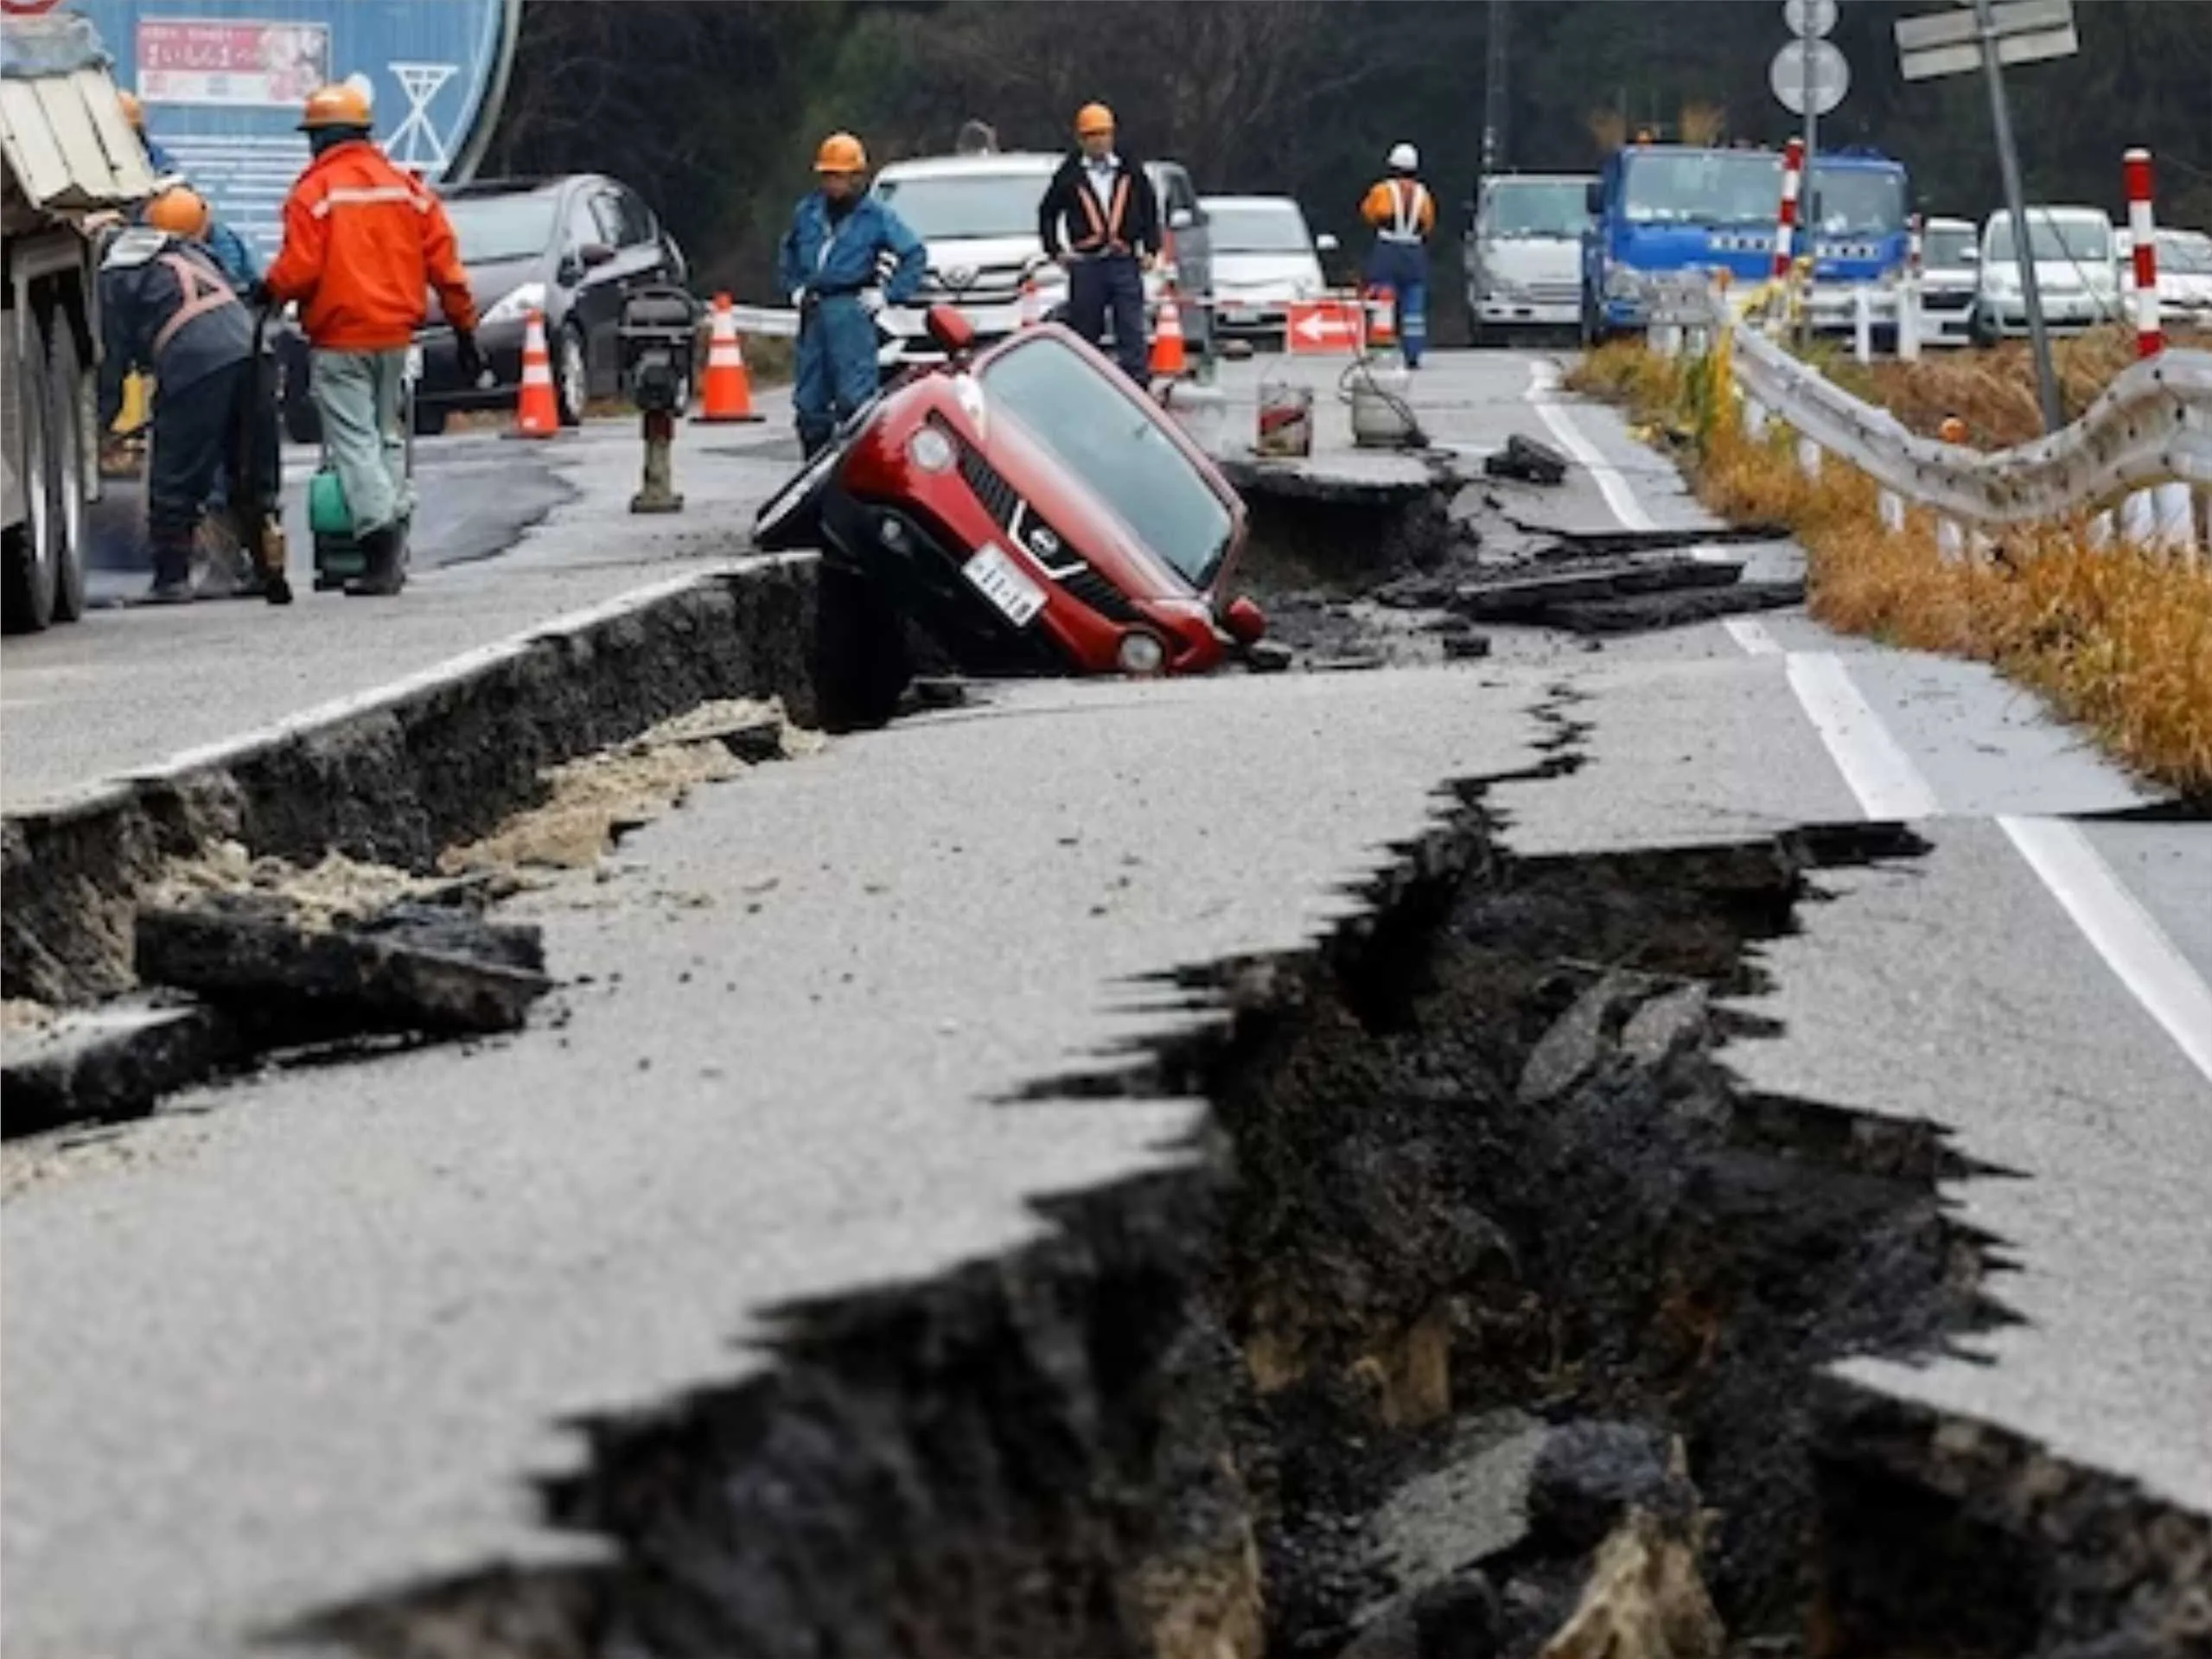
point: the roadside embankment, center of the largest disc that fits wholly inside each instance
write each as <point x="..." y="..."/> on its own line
<point x="2117" y="638"/>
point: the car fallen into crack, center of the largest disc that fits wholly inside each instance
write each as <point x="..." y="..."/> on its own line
<point x="1030" y="509"/>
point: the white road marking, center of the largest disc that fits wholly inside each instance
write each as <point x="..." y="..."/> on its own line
<point x="2137" y="950"/>
<point x="1543" y="382"/>
<point x="2126" y="934"/>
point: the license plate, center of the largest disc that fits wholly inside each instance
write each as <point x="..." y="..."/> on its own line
<point x="1001" y="581"/>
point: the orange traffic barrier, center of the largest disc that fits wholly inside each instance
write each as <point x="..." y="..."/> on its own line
<point x="727" y="393"/>
<point x="537" y="411"/>
<point x="1382" y="316"/>
<point x="1168" y="356"/>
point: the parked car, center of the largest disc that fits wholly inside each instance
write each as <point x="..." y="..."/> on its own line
<point x="1266" y="259"/>
<point x="1950" y="276"/>
<point x="1523" y="253"/>
<point x="2077" y="272"/>
<point x="1030" y="508"/>
<point x="2186" y="277"/>
<point x="571" y="247"/>
<point x="977" y="215"/>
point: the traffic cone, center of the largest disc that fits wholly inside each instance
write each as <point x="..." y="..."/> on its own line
<point x="727" y="394"/>
<point x="537" y="411"/>
<point x="1382" y="316"/>
<point x="1168" y="357"/>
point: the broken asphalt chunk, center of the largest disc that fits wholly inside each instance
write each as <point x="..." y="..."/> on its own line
<point x="1525" y="458"/>
<point x="1529" y="598"/>
<point x="111" y="1062"/>
<point x="288" y="977"/>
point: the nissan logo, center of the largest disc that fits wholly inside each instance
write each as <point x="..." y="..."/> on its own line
<point x="959" y="276"/>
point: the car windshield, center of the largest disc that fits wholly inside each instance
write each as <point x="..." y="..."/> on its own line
<point x="949" y="206"/>
<point x="2189" y="254"/>
<point x="1534" y="208"/>
<point x="1858" y="201"/>
<point x="1702" y="187"/>
<point x="2054" y="239"/>
<point x="1949" y="248"/>
<point x="1118" y="449"/>
<point x="492" y="228"/>
<point x="1258" y="228"/>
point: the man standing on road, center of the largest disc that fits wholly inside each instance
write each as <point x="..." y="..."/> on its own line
<point x="829" y="264"/>
<point x="1100" y="219"/>
<point x="364" y="242"/>
<point x="1404" y="214"/>
<point x="166" y="307"/>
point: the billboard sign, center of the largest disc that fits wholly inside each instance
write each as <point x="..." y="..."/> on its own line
<point x="223" y="80"/>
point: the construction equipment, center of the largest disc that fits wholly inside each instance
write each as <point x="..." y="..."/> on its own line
<point x="339" y="559"/>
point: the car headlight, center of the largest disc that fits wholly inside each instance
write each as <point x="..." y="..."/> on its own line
<point x="1623" y="284"/>
<point x="930" y="449"/>
<point x="516" y="304"/>
<point x="1141" y="654"/>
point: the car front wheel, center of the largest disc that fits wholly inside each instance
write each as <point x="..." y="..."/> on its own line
<point x="571" y="382"/>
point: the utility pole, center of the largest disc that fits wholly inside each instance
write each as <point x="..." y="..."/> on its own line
<point x="1494" y="92"/>
<point x="2008" y="158"/>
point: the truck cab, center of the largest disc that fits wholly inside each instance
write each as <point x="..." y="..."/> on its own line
<point x="1523" y="253"/>
<point x="1664" y="213"/>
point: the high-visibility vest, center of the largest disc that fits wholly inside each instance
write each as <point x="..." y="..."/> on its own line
<point x="1409" y="211"/>
<point x="1105" y="233"/>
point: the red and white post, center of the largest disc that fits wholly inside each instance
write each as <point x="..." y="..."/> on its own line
<point x="2143" y="230"/>
<point x="1793" y="168"/>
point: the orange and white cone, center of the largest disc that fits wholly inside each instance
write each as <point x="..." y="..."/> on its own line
<point x="1168" y="357"/>
<point x="537" y="411"/>
<point x="728" y="393"/>
<point x="1382" y="317"/>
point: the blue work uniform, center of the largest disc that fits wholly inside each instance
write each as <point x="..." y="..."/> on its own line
<point x="826" y="260"/>
<point x="234" y="254"/>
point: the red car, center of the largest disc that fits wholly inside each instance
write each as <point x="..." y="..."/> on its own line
<point x="1030" y="508"/>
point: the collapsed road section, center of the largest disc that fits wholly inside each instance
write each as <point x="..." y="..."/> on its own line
<point x="1490" y="1315"/>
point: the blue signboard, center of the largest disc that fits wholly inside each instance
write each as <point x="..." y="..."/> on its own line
<point x="223" y="80"/>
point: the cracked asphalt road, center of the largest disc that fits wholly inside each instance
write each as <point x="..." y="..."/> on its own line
<point x="297" y="1341"/>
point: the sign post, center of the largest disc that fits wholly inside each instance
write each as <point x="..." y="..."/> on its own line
<point x="1954" y="42"/>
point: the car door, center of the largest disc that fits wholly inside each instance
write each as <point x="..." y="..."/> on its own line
<point x="589" y="273"/>
<point x="1185" y="217"/>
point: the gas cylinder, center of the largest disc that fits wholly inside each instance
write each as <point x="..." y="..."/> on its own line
<point x="1382" y="411"/>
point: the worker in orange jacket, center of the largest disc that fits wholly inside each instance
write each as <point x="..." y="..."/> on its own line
<point x="1403" y="216"/>
<point x="363" y="243"/>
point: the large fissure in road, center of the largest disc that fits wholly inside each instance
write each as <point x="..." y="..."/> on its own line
<point x="1489" y="1315"/>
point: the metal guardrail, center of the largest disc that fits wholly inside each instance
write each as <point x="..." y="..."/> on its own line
<point x="2151" y="426"/>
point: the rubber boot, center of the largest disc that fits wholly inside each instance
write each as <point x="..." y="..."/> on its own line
<point x="385" y="575"/>
<point x="172" y="572"/>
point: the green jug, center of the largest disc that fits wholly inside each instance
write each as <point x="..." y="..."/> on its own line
<point x="327" y="514"/>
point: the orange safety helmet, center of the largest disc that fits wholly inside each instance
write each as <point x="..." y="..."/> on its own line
<point x="841" y="153"/>
<point x="1093" y="118"/>
<point x="178" y="211"/>
<point x="335" y="106"/>
<point x="133" y="111"/>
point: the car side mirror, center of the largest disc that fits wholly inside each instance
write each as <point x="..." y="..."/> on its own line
<point x="953" y="334"/>
<point x="1182" y="220"/>
<point x="1326" y="243"/>
<point x="1593" y="200"/>
<point x="1244" y="620"/>
<point x="594" y="254"/>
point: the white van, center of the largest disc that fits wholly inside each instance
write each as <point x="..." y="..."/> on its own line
<point x="978" y="215"/>
<point x="1523" y="253"/>
<point x="2077" y="272"/>
<point x="1950" y="278"/>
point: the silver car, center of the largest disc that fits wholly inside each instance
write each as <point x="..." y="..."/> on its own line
<point x="1950" y="273"/>
<point x="2077" y="272"/>
<point x="1524" y="252"/>
<point x="1266" y="260"/>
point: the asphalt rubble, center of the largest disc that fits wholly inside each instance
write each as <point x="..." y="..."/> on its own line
<point x="1487" y="1316"/>
<point x="1361" y="576"/>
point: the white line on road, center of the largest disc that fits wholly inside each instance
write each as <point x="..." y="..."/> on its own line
<point x="2111" y="919"/>
<point x="1543" y="383"/>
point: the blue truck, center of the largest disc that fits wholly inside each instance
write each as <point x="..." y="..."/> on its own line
<point x="1661" y="211"/>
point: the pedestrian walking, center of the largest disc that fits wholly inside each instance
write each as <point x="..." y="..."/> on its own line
<point x="1403" y="216"/>
<point x="1100" y="219"/>
<point x="166" y="309"/>
<point x="830" y="263"/>
<point x="364" y="243"/>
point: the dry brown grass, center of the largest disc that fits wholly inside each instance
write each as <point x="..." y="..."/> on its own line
<point x="2118" y="639"/>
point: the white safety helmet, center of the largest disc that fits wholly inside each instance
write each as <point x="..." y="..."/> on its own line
<point x="1404" y="158"/>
